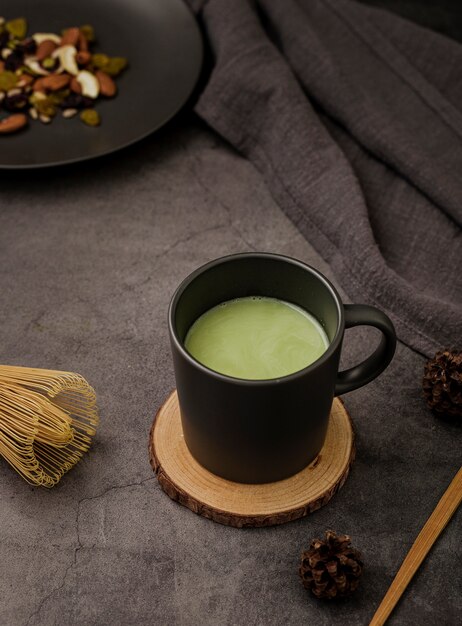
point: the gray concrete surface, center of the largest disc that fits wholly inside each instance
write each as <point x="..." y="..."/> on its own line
<point x="89" y="257"/>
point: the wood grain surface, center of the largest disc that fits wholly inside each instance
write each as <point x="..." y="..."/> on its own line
<point x="246" y="505"/>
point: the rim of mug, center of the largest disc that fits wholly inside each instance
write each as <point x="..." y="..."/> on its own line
<point x="333" y="345"/>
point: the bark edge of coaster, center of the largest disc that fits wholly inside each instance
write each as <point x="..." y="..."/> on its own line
<point x="240" y="505"/>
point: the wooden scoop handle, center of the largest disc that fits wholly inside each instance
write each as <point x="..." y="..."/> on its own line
<point x="437" y="521"/>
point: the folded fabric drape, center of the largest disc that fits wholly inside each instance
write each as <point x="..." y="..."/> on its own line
<point x="354" y="118"/>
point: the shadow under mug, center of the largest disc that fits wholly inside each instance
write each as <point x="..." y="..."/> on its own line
<point x="257" y="431"/>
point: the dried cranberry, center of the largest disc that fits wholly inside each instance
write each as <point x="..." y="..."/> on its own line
<point x="14" y="61"/>
<point x="17" y="102"/>
<point x="4" y="39"/>
<point x="28" y="46"/>
<point x="76" y="101"/>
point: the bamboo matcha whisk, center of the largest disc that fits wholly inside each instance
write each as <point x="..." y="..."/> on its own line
<point x="47" y="420"/>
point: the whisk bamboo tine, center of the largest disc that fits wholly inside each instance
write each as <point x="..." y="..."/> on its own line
<point x="47" y="420"/>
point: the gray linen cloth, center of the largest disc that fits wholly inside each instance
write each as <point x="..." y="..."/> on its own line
<point x="354" y="118"/>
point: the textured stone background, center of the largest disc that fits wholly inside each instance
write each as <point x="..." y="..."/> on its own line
<point x="89" y="257"/>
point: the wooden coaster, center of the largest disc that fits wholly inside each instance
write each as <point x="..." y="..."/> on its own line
<point x="243" y="505"/>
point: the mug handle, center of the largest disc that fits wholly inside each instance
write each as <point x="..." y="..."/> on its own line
<point x="355" y="377"/>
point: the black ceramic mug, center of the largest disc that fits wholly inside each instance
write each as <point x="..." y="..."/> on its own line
<point x="257" y="431"/>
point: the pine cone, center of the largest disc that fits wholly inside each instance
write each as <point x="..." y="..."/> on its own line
<point x="442" y="385"/>
<point x="331" y="568"/>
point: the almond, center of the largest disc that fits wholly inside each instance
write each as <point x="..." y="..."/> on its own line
<point x="82" y="44"/>
<point x="38" y="85"/>
<point x="83" y="57"/>
<point x="70" y="37"/>
<point x="54" y="82"/>
<point x="75" y="85"/>
<point x="13" y="123"/>
<point x="44" y="49"/>
<point x="107" y="86"/>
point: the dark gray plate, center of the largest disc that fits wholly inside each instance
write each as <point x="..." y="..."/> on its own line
<point x="163" y="44"/>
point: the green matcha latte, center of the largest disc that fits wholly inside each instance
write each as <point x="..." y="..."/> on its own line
<point x="256" y="338"/>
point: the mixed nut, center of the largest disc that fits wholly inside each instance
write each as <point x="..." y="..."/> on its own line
<point x="46" y="73"/>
